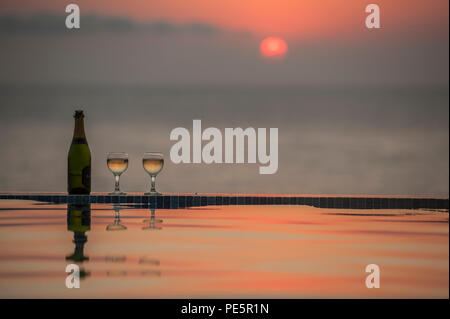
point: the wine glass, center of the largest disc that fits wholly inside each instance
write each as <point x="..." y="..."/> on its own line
<point x="153" y="164"/>
<point x="117" y="164"/>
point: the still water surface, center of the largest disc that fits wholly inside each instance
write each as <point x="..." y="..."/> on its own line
<point x="221" y="251"/>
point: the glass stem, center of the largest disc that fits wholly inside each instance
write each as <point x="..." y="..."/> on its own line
<point x="117" y="212"/>
<point x="116" y="184"/>
<point x="153" y="189"/>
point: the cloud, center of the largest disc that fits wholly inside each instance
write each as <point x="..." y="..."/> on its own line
<point x="55" y="24"/>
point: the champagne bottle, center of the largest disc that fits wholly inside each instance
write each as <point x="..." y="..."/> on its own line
<point x="79" y="160"/>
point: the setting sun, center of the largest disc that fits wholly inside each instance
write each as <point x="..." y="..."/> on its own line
<point x="273" y="47"/>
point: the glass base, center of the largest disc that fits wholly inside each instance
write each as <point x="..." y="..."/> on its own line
<point x="152" y="193"/>
<point x="115" y="227"/>
<point x="117" y="193"/>
<point x="154" y="221"/>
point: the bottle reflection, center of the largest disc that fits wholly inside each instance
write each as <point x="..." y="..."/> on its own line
<point x="79" y="222"/>
<point x="116" y="225"/>
<point x="152" y="222"/>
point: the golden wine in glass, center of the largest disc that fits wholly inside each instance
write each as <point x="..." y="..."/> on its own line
<point x="153" y="164"/>
<point x="117" y="164"/>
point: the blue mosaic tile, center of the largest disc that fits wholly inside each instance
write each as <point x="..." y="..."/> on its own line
<point x="182" y="201"/>
<point x="195" y="201"/>
<point x="211" y="200"/>
<point x="174" y="202"/>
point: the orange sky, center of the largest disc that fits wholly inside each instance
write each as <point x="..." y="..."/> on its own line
<point x="296" y="18"/>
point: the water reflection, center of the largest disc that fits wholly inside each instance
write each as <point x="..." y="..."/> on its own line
<point x="115" y="259"/>
<point x="149" y="261"/>
<point x="116" y="225"/>
<point x="152" y="223"/>
<point x="152" y="262"/>
<point x="79" y="222"/>
<point x="151" y="273"/>
<point x="283" y="241"/>
<point x="116" y="273"/>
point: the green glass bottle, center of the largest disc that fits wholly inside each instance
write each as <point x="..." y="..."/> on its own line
<point x="79" y="160"/>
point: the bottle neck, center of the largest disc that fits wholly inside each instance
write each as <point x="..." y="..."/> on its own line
<point x="78" y="132"/>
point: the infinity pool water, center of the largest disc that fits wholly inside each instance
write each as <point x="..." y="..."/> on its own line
<point x="221" y="251"/>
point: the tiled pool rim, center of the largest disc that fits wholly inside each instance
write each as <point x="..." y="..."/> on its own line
<point x="174" y="201"/>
